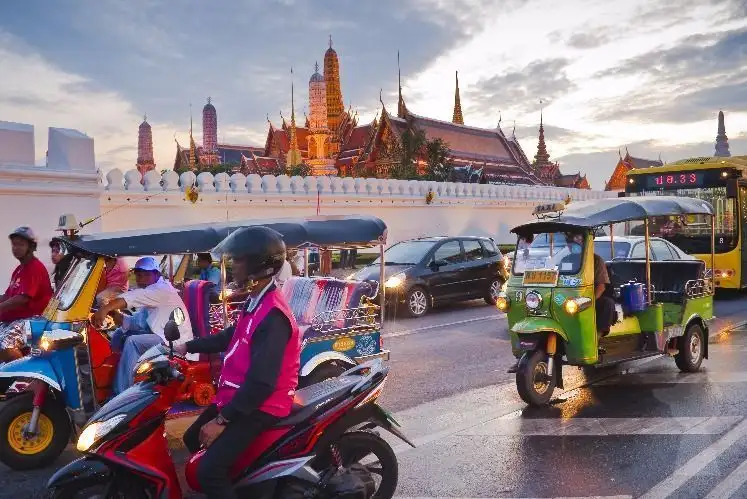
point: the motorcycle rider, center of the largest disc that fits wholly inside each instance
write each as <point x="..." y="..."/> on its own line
<point x="27" y="295"/>
<point x="260" y="369"/>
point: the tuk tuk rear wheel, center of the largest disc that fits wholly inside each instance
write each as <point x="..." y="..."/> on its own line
<point x="691" y="349"/>
<point x="531" y="380"/>
<point x="54" y="433"/>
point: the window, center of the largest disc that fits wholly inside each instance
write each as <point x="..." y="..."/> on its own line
<point x="661" y="251"/>
<point x="603" y="249"/>
<point x="472" y="250"/>
<point x="406" y="253"/>
<point x="639" y="251"/>
<point x="490" y="249"/>
<point x="449" y="253"/>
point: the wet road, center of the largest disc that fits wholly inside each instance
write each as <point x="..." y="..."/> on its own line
<point x="623" y="435"/>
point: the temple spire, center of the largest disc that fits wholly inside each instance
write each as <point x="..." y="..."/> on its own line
<point x="192" y="147"/>
<point x="293" y="157"/>
<point x="401" y="108"/>
<point x="457" y="118"/>
<point x="722" y="141"/>
<point x="542" y="158"/>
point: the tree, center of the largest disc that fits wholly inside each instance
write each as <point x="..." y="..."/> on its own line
<point x="437" y="153"/>
<point x="301" y="170"/>
<point x="410" y="147"/>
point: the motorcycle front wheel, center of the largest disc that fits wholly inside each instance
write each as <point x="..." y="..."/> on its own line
<point x="377" y="455"/>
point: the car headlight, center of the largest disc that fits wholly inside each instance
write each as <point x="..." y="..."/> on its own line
<point x="533" y="300"/>
<point x="502" y="303"/>
<point x="59" y="338"/>
<point x="395" y="281"/>
<point x="96" y="431"/>
<point x="573" y="306"/>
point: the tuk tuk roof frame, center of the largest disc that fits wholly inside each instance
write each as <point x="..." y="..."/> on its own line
<point x="329" y="232"/>
<point x="603" y="212"/>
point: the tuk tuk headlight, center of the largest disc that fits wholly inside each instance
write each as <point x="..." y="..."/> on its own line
<point x="59" y="338"/>
<point x="96" y="431"/>
<point x="533" y="300"/>
<point x="573" y="306"/>
<point x="502" y="303"/>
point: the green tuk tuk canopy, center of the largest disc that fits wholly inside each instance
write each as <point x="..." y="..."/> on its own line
<point x="322" y="231"/>
<point x="601" y="212"/>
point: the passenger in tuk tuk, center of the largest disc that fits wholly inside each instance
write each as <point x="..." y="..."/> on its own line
<point x="258" y="381"/>
<point x="208" y="272"/>
<point x="61" y="260"/>
<point x="114" y="281"/>
<point x="154" y="299"/>
<point x="27" y="294"/>
<point x="605" y="305"/>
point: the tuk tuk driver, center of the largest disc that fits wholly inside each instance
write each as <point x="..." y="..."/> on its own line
<point x="260" y="369"/>
<point x="154" y="299"/>
<point x="605" y="305"/>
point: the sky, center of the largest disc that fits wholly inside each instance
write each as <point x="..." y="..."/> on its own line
<point x="649" y="75"/>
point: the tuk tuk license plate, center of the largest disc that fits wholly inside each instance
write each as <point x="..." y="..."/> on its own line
<point x="540" y="277"/>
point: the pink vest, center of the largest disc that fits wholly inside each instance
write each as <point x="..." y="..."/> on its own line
<point x="238" y="358"/>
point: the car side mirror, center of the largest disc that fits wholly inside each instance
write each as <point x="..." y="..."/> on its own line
<point x="436" y="265"/>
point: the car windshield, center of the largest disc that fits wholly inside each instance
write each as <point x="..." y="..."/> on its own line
<point x="602" y="248"/>
<point x="76" y="278"/>
<point x="406" y="253"/>
<point x="692" y="233"/>
<point x="548" y="251"/>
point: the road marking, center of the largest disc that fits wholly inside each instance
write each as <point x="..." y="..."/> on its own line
<point x="703" y="377"/>
<point x="513" y="425"/>
<point x="669" y="485"/>
<point x="408" y="332"/>
<point x="563" y="497"/>
<point x="731" y="484"/>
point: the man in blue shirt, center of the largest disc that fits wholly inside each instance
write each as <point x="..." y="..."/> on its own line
<point x="207" y="271"/>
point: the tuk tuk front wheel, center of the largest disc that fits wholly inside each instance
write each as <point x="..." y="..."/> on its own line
<point x="691" y="349"/>
<point x="533" y="382"/>
<point x="21" y="452"/>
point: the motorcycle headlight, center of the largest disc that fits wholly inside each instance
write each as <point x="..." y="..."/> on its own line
<point x="395" y="281"/>
<point x="143" y="368"/>
<point x="59" y="338"/>
<point x="96" y="431"/>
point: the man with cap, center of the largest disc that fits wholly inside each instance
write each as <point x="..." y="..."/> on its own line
<point x="27" y="295"/>
<point x="155" y="299"/>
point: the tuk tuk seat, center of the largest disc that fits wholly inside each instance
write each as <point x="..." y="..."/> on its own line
<point x="310" y="297"/>
<point x="668" y="278"/>
<point x="196" y="296"/>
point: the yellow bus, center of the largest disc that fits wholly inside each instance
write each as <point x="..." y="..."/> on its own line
<point x="720" y="181"/>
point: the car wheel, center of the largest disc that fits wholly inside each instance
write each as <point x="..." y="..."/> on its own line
<point x="491" y="295"/>
<point x="417" y="302"/>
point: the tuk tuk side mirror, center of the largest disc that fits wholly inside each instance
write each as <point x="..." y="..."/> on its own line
<point x="171" y="329"/>
<point x="177" y="315"/>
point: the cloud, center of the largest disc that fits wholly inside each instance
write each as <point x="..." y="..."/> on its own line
<point x="589" y="40"/>
<point x="684" y="83"/>
<point x="521" y="89"/>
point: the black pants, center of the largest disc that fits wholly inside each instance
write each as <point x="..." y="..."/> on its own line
<point x="213" y="472"/>
<point x="605" y="307"/>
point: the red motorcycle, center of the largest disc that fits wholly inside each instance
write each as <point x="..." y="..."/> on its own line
<point x="315" y="452"/>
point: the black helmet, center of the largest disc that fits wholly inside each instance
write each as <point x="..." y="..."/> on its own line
<point x="261" y="247"/>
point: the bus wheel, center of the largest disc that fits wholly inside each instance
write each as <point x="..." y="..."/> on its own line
<point x="691" y="349"/>
<point x="532" y="381"/>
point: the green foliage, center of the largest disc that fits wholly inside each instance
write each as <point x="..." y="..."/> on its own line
<point x="437" y="153"/>
<point x="301" y="170"/>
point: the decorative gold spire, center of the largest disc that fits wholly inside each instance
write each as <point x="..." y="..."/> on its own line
<point x="293" y="157"/>
<point x="192" y="147"/>
<point x="542" y="158"/>
<point x="457" y="118"/>
<point x="401" y="108"/>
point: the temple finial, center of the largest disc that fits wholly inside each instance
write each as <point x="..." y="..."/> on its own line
<point x="330" y="41"/>
<point x="145" y="117"/>
<point x="209" y="100"/>
<point x="457" y="116"/>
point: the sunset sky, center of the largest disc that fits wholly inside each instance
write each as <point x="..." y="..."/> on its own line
<point x="649" y="75"/>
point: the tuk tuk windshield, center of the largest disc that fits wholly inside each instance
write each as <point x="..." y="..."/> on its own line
<point x="76" y="278"/>
<point x="549" y="251"/>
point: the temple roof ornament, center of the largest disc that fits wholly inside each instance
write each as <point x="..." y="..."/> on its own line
<point x="401" y="107"/>
<point x="722" y="141"/>
<point x="293" y="157"/>
<point x="542" y="158"/>
<point x="457" y="117"/>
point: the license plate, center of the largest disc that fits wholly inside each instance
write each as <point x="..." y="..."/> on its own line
<point x="527" y="344"/>
<point x="541" y="277"/>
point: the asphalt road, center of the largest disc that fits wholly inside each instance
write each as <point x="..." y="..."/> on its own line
<point x="449" y="388"/>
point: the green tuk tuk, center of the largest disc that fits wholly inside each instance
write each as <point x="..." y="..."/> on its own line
<point x="552" y="302"/>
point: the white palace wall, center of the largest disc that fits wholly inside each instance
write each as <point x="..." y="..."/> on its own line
<point x="36" y="196"/>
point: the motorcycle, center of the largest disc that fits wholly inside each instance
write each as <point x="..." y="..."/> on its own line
<point x="314" y="452"/>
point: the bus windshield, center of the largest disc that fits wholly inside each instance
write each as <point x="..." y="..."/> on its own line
<point x="692" y="233"/>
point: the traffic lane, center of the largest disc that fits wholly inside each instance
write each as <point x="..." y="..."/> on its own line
<point x="444" y="360"/>
<point x="444" y="314"/>
<point x="648" y="430"/>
